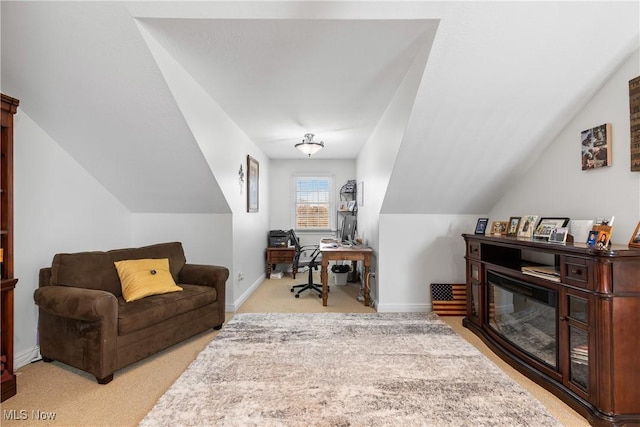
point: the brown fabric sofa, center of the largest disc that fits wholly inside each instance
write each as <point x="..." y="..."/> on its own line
<point x="85" y="322"/>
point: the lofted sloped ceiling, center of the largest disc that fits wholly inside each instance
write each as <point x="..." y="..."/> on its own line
<point x="501" y="80"/>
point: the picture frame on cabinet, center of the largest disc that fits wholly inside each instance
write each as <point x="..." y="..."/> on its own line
<point x="527" y="226"/>
<point x="481" y="226"/>
<point x="634" y="242"/>
<point x="499" y="228"/>
<point x="593" y="237"/>
<point x="547" y="225"/>
<point x="559" y="235"/>
<point x="514" y="223"/>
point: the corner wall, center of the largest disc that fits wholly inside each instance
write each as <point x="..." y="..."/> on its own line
<point x="556" y="185"/>
<point x="58" y="207"/>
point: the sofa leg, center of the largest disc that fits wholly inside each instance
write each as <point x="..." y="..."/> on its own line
<point x="105" y="380"/>
<point x="217" y="328"/>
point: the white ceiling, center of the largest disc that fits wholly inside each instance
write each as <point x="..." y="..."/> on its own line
<point x="501" y="77"/>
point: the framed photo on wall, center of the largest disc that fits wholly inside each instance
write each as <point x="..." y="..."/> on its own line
<point x="253" y="184"/>
<point x="596" y="147"/>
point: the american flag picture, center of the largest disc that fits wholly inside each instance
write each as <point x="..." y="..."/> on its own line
<point x="449" y="299"/>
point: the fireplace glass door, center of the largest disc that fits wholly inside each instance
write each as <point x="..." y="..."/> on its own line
<point x="525" y="315"/>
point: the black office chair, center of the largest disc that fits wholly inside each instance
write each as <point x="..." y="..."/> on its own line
<point x="306" y="256"/>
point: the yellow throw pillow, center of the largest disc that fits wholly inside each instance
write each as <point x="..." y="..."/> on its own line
<point x="144" y="277"/>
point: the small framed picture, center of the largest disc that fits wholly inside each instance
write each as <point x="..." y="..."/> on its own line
<point x="604" y="234"/>
<point x="499" y="228"/>
<point x="514" y="222"/>
<point x="351" y="205"/>
<point x="547" y="225"/>
<point x="527" y="226"/>
<point x="635" y="237"/>
<point x="481" y="226"/>
<point x="559" y="235"/>
<point x="344" y="206"/>
<point x="593" y="237"/>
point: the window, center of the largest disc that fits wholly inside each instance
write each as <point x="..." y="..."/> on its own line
<point x="313" y="202"/>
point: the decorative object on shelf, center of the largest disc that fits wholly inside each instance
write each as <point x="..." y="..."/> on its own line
<point x="360" y="193"/>
<point x="579" y="229"/>
<point x="481" y="226"/>
<point x="253" y="184"/>
<point x="527" y="226"/>
<point x="635" y="237"/>
<point x="603" y="220"/>
<point x="351" y="205"/>
<point x="514" y="222"/>
<point x="499" y="228"/>
<point x="634" y="110"/>
<point x="241" y="178"/>
<point x="596" y="147"/>
<point x="344" y="206"/>
<point x="308" y="146"/>
<point x="604" y="235"/>
<point x="559" y="235"/>
<point x="547" y="225"/>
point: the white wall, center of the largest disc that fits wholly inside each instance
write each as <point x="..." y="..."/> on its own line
<point x="225" y="148"/>
<point x="375" y="165"/>
<point x="204" y="237"/>
<point x="419" y="250"/>
<point x="556" y="185"/>
<point x="58" y="207"/>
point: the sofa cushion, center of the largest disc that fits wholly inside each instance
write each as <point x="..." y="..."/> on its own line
<point x="144" y="277"/>
<point x="172" y="250"/>
<point x="89" y="270"/>
<point x="145" y="312"/>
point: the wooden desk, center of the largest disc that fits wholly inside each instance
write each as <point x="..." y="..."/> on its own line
<point x="280" y="255"/>
<point x="354" y="253"/>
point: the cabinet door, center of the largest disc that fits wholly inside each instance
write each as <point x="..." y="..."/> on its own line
<point x="576" y="346"/>
<point x="474" y="291"/>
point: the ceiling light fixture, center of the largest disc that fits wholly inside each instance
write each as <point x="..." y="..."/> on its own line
<point x="308" y="146"/>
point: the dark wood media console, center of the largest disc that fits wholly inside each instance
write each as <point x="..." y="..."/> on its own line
<point x="575" y="332"/>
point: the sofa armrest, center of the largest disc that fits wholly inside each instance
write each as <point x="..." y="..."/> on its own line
<point x="207" y="275"/>
<point x="77" y="303"/>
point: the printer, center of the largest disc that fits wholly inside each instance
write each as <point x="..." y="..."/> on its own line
<point x="278" y="239"/>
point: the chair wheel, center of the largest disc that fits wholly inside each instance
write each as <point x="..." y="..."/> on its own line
<point x="297" y="296"/>
<point x="319" y="295"/>
<point x="291" y="289"/>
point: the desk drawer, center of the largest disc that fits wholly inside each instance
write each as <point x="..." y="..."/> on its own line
<point x="577" y="271"/>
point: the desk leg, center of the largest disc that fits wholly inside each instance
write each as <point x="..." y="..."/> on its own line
<point x="367" y="264"/>
<point x="324" y="276"/>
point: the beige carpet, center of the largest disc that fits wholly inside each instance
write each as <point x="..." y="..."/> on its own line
<point x="77" y="400"/>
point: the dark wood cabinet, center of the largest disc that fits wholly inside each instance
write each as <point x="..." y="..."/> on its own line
<point x="569" y="320"/>
<point x="8" y="282"/>
<point x="280" y="255"/>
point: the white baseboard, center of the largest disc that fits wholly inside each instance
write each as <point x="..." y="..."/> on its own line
<point x="26" y="357"/>
<point x="404" y="308"/>
<point x="245" y="296"/>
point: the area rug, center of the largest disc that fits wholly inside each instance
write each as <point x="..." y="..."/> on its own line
<point x="340" y="369"/>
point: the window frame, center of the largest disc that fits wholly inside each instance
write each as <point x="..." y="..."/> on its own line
<point x="294" y="198"/>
